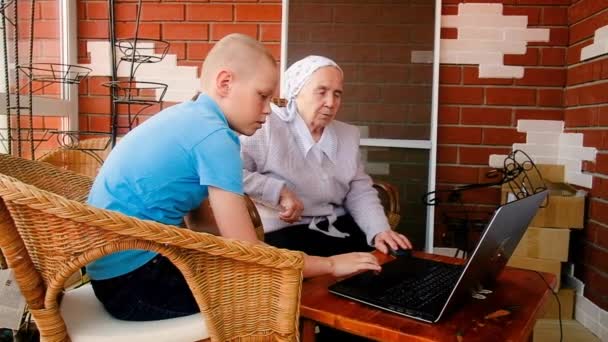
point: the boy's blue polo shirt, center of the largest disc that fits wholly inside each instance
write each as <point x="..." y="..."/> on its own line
<point x="160" y="171"/>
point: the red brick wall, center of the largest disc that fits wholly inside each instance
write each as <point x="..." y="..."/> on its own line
<point x="191" y="27"/>
<point x="478" y="117"/>
<point x="586" y="111"/>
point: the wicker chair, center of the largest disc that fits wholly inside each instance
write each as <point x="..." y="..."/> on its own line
<point x="245" y="291"/>
<point x="85" y="158"/>
<point x="389" y="197"/>
<point x="47" y="177"/>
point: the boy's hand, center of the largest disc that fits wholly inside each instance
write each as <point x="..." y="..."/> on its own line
<point x="345" y="264"/>
<point x="291" y="206"/>
<point x="391" y="239"/>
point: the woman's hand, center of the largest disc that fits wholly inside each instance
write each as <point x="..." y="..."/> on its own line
<point x="291" y="206"/>
<point x="345" y="264"/>
<point x="391" y="239"/>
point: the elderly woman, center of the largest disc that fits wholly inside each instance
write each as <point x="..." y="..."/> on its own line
<point x="304" y="171"/>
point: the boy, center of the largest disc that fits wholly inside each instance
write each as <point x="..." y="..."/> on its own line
<point x="167" y="166"/>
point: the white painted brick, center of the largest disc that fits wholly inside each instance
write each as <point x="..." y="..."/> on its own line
<point x="589" y="308"/>
<point x="177" y="96"/>
<point x="497" y="160"/>
<point x="422" y="57"/>
<point x="181" y="85"/>
<point x="575" y="152"/>
<point x="468" y="9"/>
<point x="518" y="47"/>
<point x="593" y="50"/>
<point x="544" y="160"/>
<point x="180" y="72"/>
<point x="450" y="57"/>
<point x="570" y="165"/>
<point x="525" y="34"/>
<point x="601" y="33"/>
<point x="170" y="59"/>
<point x="481" y="33"/>
<point x="543" y="138"/>
<point x="540" y="126"/>
<point x="571" y="139"/>
<point x="549" y="151"/>
<point x="579" y="314"/>
<point x="603" y="333"/>
<point x="593" y="326"/>
<point x="604" y="319"/>
<point x="522" y="158"/>
<point x="482" y="58"/>
<point x="484" y="21"/>
<point x="579" y="179"/>
<point x="500" y="71"/>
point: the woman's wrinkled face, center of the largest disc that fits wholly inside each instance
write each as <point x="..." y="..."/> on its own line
<point x="321" y="97"/>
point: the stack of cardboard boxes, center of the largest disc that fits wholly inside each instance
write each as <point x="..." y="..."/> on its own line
<point x="544" y="247"/>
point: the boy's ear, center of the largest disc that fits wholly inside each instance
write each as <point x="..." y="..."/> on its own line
<point x="222" y="82"/>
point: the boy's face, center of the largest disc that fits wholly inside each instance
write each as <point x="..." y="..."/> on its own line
<point x="248" y="102"/>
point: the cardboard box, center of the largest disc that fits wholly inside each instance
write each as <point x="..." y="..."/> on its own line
<point x="544" y="243"/>
<point x="541" y="265"/>
<point x="566" y="300"/>
<point x="552" y="173"/>
<point x="564" y="208"/>
<point x="547" y="330"/>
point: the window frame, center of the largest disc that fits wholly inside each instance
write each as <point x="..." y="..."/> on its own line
<point x="66" y="105"/>
<point x="430" y="144"/>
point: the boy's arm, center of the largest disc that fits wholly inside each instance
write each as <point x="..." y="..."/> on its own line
<point x="233" y="221"/>
<point x="231" y="215"/>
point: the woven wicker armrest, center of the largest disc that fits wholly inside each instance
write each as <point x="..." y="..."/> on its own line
<point x="47" y="177"/>
<point x="242" y="289"/>
<point x="389" y="197"/>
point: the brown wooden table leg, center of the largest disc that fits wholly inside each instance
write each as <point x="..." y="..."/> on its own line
<point x="307" y="330"/>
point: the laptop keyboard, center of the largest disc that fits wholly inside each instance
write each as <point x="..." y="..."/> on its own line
<point x="416" y="293"/>
<point x="412" y="286"/>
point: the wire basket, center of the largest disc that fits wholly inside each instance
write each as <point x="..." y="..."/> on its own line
<point x="137" y="92"/>
<point x="142" y="50"/>
<point x="55" y="72"/>
<point x="5" y="4"/>
<point x="72" y="139"/>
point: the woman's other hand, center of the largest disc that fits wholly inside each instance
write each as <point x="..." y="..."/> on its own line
<point x="291" y="206"/>
<point x="345" y="264"/>
<point x="392" y="239"/>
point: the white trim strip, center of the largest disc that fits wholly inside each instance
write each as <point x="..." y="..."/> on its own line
<point x="398" y="143"/>
<point x="284" y="39"/>
<point x="69" y="44"/>
<point x="430" y="210"/>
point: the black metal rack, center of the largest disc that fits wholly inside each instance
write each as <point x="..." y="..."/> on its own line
<point x="135" y="94"/>
<point x="464" y="226"/>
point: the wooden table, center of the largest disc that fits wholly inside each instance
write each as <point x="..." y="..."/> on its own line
<point x="515" y="287"/>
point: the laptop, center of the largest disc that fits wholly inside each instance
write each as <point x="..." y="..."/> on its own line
<point x="425" y="289"/>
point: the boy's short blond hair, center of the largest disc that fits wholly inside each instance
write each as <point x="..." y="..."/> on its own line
<point x="236" y="52"/>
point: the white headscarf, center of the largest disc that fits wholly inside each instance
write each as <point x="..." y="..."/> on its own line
<point x="296" y="76"/>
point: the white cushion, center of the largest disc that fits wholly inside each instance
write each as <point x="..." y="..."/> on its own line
<point x="87" y="320"/>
